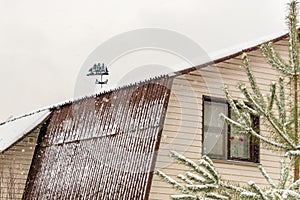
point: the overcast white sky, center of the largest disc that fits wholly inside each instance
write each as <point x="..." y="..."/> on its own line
<point x="43" y="44"/>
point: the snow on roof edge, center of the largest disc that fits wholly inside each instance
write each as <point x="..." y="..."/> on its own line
<point x="247" y="45"/>
<point x="25" y="115"/>
<point x="226" y="54"/>
<point x="13" y="131"/>
<point x="215" y="56"/>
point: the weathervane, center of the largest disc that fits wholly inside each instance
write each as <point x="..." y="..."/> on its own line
<point x="101" y="70"/>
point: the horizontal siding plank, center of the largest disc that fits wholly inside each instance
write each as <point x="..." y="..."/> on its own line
<point x="14" y="166"/>
<point x="184" y="115"/>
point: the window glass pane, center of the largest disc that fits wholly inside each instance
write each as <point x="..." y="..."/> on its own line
<point x="239" y="144"/>
<point x="215" y="130"/>
<point x="215" y="144"/>
<point x="212" y="110"/>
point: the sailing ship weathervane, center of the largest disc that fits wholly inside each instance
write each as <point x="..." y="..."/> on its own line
<point x="99" y="70"/>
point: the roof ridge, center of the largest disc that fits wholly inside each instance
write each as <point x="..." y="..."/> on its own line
<point x="24" y="115"/>
<point x="218" y="58"/>
<point x="67" y="102"/>
<point x="235" y="53"/>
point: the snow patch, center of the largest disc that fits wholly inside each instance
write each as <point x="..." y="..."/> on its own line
<point x="12" y="131"/>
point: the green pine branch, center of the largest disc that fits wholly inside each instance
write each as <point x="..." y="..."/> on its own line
<point x="279" y="111"/>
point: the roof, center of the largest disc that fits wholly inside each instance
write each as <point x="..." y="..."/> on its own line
<point x="102" y="147"/>
<point x="214" y="57"/>
<point x="14" y="130"/>
<point x="226" y="54"/>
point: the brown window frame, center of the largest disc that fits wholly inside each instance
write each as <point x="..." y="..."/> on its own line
<point x="254" y="144"/>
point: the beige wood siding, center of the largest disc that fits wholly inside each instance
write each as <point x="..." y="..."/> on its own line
<point x="14" y="166"/>
<point x="182" y="129"/>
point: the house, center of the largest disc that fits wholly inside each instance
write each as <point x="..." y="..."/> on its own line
<point x="106" y="146"/>
<point x="192" y="124"/>
<point x="17" y="145"/>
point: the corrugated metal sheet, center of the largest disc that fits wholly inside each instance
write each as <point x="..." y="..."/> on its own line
<point x="102" y="147"/>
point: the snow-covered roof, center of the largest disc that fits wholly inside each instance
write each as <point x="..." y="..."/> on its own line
<point x="196" y="58"/>
<point x="12" y="131"/>
<point x="213" y="57"/>
<point x="216" y="55"/>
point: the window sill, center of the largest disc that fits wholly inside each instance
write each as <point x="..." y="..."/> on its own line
<point x="236" y="162"/>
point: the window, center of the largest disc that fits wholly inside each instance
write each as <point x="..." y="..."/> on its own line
<point x="221" y="141"/>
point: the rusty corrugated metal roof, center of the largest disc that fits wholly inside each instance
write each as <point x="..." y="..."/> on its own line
<point x="101" y="147"/>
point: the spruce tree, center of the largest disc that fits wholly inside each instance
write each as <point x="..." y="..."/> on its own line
<point x="280" y="113"/>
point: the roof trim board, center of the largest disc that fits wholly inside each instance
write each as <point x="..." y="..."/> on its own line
<point x="233" y="54"/>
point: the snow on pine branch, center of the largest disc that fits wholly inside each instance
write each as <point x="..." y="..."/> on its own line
<point x="198" y="185"/>
<point x="170" y="180"/>
<point x="266" y="175"/>
<point x="293" y="153"/>
<point x="184" y="197"/>
<point x="202" y="179"/>
<point x="270" y="119"/>
<point x="181" y="159"/>
<point x="258" y="97"/>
